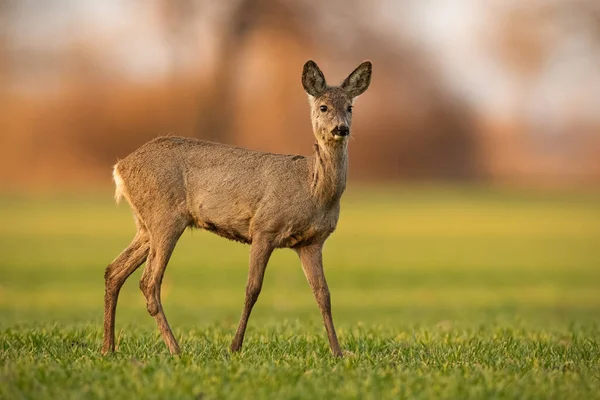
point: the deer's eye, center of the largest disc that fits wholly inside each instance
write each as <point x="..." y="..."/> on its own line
<point x="323" y="108"/>
<point x="349" y="109"/>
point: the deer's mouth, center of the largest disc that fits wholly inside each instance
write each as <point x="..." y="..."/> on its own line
<point x="339" y="134"/>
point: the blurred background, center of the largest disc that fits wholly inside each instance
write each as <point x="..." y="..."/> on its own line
<point x="487" y="91"/>
<point x="474" y="162"/>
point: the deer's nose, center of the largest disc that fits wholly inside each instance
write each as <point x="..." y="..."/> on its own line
<point x="342" y="130"/>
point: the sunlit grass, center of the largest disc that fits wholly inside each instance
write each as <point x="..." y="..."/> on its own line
<point x="436" y="293"/>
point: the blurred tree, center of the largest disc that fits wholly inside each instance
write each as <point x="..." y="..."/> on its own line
<point x="178" y="17"/>
<point x="6" y="11"/>
<point x="241" y="18"/>
<point x="551" y="51"/>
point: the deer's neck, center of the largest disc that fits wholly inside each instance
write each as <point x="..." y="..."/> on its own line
<point x="330" y="169"/>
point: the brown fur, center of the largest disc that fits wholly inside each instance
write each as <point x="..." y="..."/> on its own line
<point x="266" y="200"/>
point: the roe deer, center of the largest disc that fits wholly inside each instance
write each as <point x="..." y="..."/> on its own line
<point x="267" y="200"/>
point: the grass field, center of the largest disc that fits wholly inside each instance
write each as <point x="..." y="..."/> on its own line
<point x="437" y="293"/>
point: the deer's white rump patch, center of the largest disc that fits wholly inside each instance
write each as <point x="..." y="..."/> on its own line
<point x="119" y="184"/>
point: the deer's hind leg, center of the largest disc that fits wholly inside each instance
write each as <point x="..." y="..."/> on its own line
<point x="115" y="276"/>
<point x="163" y="239"/>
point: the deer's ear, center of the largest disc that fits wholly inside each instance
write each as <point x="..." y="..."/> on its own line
<point x="359" y="80"/>
<point x="313" y="79"/>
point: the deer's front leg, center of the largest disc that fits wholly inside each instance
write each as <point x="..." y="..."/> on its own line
<point x="259" y="257"/>
<point x="312" y="264"/>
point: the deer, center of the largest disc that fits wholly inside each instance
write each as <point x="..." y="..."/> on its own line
<point x="266" y="200"/>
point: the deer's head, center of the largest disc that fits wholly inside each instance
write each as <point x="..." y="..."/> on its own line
<point x="331" y="106"/>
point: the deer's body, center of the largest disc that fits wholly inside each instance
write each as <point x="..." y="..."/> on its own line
<point x="266" y="200"/>
<point x="234" y="192"/>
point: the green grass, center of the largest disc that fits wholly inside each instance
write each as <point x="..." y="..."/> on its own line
<point x="437" y="293"/>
